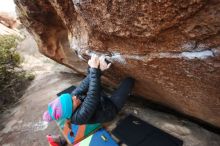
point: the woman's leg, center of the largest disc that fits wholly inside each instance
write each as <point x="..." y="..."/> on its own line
<point x="120" y="95"/>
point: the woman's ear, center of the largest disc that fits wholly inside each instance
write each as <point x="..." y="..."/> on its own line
<point x="68" y="124"/>
<point x="76" y="102"/>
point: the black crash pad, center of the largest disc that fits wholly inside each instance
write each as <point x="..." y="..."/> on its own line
<point x="136" y="132"/>
<point x="67" y="90"/>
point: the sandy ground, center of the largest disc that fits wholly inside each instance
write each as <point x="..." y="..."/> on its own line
<point x="23" y="125"/>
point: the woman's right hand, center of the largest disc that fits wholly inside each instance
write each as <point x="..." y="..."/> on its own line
<point x="94" y="61"/>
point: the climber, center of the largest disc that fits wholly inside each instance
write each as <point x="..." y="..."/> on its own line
<point x="87" y="103"/>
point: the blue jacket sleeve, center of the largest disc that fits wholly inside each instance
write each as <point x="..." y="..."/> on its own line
<point x="86" y="110"/>
<point x="83" y="87"/>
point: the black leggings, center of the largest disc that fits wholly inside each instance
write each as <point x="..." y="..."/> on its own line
<point x="120" y="95"/>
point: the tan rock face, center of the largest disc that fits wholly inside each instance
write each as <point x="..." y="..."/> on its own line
<point x="8" y="20"/>
<point x="172" y="47"/>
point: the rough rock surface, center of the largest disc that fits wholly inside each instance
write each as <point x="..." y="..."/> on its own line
<point x="171" y="47"/>
<point x="8" y="24"/>
<point x="8" y="20"/>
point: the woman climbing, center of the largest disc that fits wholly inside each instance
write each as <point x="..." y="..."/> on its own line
<point x="87" y="104"/>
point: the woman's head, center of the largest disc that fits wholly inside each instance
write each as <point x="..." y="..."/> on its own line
<point x="60" y="108"/>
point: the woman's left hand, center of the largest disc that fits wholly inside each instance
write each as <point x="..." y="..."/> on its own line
<point x="94" y="61"/>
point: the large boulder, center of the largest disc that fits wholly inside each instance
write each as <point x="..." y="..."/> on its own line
<point x="171" y="47"/>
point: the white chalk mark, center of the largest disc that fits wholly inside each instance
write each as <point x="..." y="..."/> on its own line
<point x="199" y="55"/>
<point x="25" y="126"/>
<point x="117" y="57"/>
<point x="200" y="52"/>
<point x="40" y="126"/>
